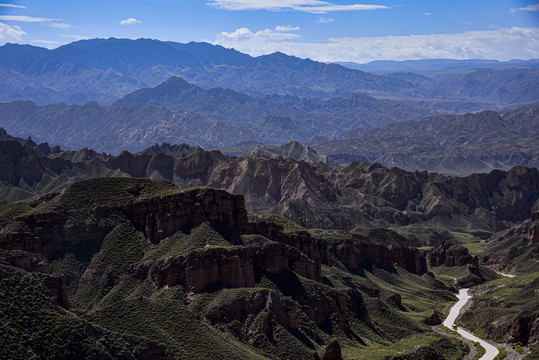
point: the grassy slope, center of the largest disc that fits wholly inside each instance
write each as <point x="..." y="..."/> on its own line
<point x="34" y="327"/>
<point x="500" y="303"/>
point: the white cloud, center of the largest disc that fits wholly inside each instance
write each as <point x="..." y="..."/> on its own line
<point x="426" y="14"/>
<point x="29" y="19"/>
<point x="13" y="6"/>
<point x="323" y="20"/>
<point x="49" y="44"/>
<point x="10" y="33"/>
<point x="526" y="8"/>
<point x="60" y="25"/>
<point x="52" y="42"/>
<point x="130" y="21"/>
<point x="499" y="43"/>
<point x="245" y="35"/>
<point x="309" y="6"/>
<point x="285" y="28"/>
<point x="76" y="37"/>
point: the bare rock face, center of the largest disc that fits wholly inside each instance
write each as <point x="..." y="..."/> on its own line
<point x="533" y="233"/>
<point x="332" y="351"/>
<point x="434" y="319"/>
<point x="520" y="241"/>
<point x="449" y="253"/>
<point x="162" y="217"/>
<point x="48" y="232"/>
<point x="58" y="288"/>
<point x="45" y="233"/>
<point x="232" y="268"/>
<point x="524" y="330"/>
<point x="353" y="255"/>
<point x="27" y="261"/>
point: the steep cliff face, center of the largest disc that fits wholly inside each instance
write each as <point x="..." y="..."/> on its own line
<point x="163" y="217"/>
<point x="47" y="231"/>
<point x="232" y="268"/>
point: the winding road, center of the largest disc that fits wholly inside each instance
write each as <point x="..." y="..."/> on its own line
<point x="463" y="297"/>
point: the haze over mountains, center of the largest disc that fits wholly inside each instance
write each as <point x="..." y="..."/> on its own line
<point x="103" y="70"/>
<point x="117" y="94"/>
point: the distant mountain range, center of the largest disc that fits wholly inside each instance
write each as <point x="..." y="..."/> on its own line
<point x="104" y="70"/>
<point x="450" y="144"/>
<point x="119" y="94"/>
<point x="442" y="64"/>
<point x="159" y="114"/>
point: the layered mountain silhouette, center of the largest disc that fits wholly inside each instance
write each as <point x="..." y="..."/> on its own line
<point x="104" y="70"/>
<point x="177" y="111"/>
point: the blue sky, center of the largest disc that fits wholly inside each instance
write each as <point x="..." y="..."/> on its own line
<point x="323" y="30"/>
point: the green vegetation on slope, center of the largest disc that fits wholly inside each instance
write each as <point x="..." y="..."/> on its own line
<point x="504" y="309"/>
<point x="33" y="326"/>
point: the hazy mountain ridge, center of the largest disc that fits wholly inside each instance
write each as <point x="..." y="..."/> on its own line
<point x="448" y="144"/>
<point x="132" y="127"/>
<point x="131" y="64"/>
<point x="104" y="70"/>
<point x="169" y="113"/>
<point x="294" y="150"/>
<point x="332" y="115"/>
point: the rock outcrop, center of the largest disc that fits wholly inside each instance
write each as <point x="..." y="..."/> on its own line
<point x="332" y="351"/>
<point x="514" y="249"/>
<point x="449" y="253"/>
<point x="162" y="217"/>
<point x="195" y="250"/>
<point x="262" y="306"/>
<point x="434" y="319"/>
<point x="232" y="268"/>
<point x="47" y="232"/>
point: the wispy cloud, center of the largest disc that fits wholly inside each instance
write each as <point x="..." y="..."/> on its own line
<point x="499" y="43"/>
<point x="49" y="44"/>
<point x="426" y="14"/>
<point x="286" y="28"/>
<point x="76" y="37"/>
<point x="10" y="33"/>
<point x="525" y="8"/>
<point x="309" y="6"/>
<point x="64" y="26"/>
<point x="323" y="20"/>
<point x="259" y="40"/>
<point x="51" y="22"/>
<point x="29" y="19"/>
<point x="13" y="6"/>
<point x="130" y="21"/>
<point x="52" y="42"/>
